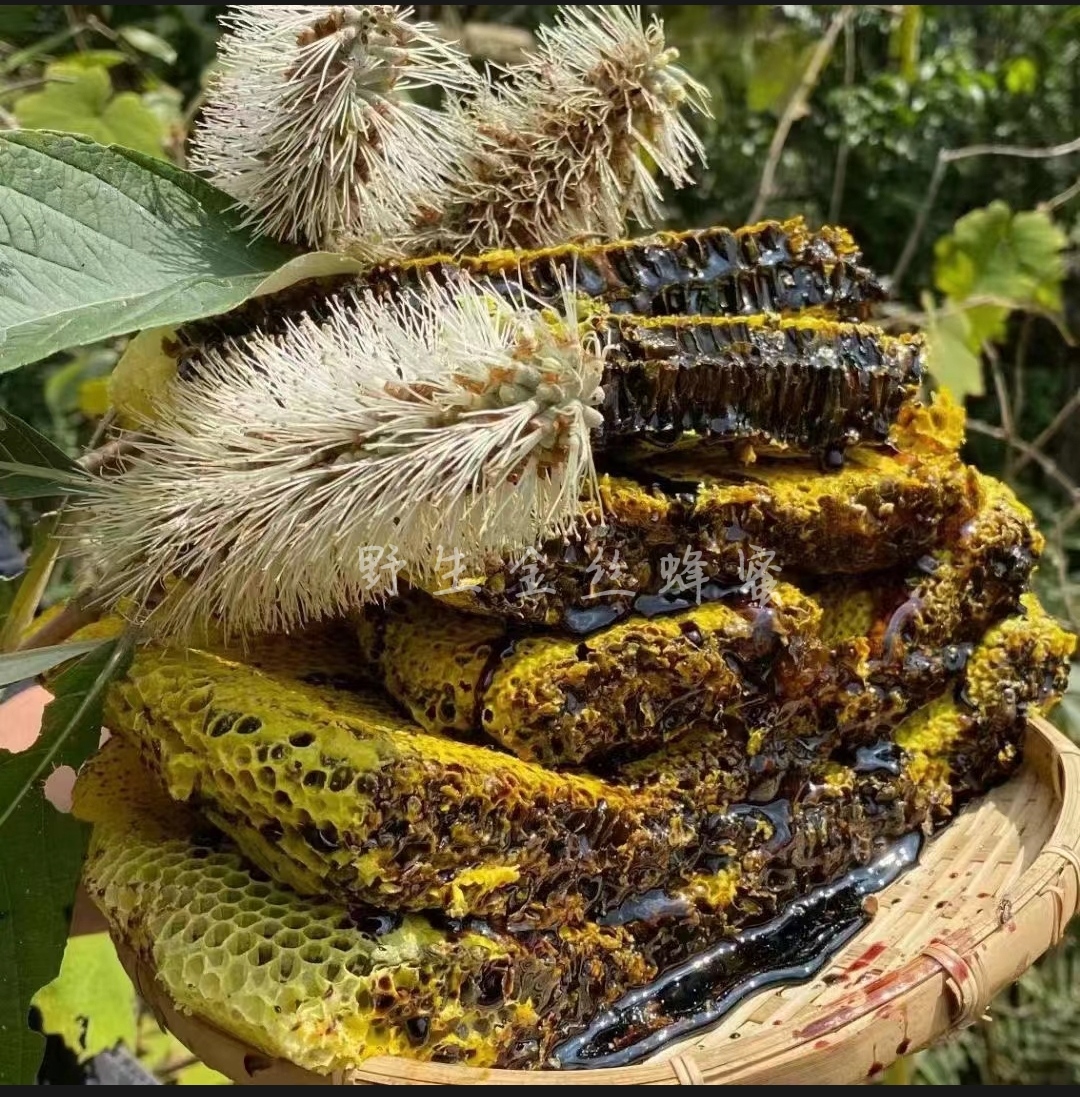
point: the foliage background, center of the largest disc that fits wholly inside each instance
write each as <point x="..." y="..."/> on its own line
<point x="842" y="114"/>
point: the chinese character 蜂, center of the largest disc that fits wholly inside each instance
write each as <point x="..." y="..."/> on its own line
<point x="679" y="575"/>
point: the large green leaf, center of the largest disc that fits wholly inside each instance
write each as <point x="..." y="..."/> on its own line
<point x="43" y="852"/>
<point x="98" y="241"/>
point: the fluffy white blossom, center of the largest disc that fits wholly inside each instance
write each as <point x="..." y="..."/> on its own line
<point x="571" y="143"/>
<point x="312" y="128"/>
<point x="446" y="422"/>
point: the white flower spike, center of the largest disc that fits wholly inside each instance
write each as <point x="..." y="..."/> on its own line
<point x="311" y="128"/>
<point x="447" y="422"/>
<point x="569" y="146"/>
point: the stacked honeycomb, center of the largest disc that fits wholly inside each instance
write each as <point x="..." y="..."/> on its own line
<point x="459" y="824"/>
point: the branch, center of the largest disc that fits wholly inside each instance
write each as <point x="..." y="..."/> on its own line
<point x="951" y="156"/>
<point x="1045" y="463"/>
<point x="1059" y="200"/>
<point x="844" y="149"/>
<point x="795" y="107"/>
<point x="74" y="616"/>
<point x="109" y="458"/>
<point x="1051" y="429"/>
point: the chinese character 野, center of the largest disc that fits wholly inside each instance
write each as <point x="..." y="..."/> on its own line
<point x="679" y="575"/>
<point x="615" y="569"/>
<point x="451" y="569"/>
<point x="379" y="558"/>
<point x="757" y="572"/>
<point x="531" y="582"/>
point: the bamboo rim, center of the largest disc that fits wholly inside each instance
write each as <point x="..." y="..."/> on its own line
<point x="991" y="894"/>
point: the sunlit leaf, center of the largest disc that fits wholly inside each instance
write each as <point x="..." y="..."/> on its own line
<point x="950" y="359"/>
<point x="91" y="1004"/>
<point x="148" y="43"/>
<point x="991" y="253"/>
<point x="96" y="242"/>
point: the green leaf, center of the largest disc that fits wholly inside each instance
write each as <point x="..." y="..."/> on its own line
<point x="778" y="65"/>
<point x="19" y="481"/>
<point x="17" y="665"/>
<point x="30" y="465"/>
<point x="97" y="241"/>
<point x="83" y="102"/>
<point x="91" y="1004"/>
<point x="1015" y="259"/>
<point x="15" y="619"/>
<point x="1021" y="76"/>
<point x="950" y="358"/>
<point x="19" y="442"/>
<point x="43" y="851"/>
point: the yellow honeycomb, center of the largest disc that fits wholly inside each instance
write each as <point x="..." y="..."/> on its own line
<point x="327" y="984"/>
<point x="561" y="700"/>
<point x="320" y="983"/>
<point x="328" y="790"/>
<point x="878" y="511"/>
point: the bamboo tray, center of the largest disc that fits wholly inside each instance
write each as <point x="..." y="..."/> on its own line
<point x="989" y="896"/>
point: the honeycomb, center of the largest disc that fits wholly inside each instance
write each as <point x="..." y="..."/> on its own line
<point x="457" y="828"/>
<point x="771" y="267"/>
<point x="350" y="795"/>
<point x="560" y="700"/>
<point x="876" y="512"/>
<point x="321" y="983"/>
<point x="973" y="710"/>
<point x="329" y="791"/>
<point x="796" y="383"/>
<point x="327" y="984"/>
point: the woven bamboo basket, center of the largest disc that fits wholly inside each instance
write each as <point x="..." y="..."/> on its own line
<point x="990" y="894"/>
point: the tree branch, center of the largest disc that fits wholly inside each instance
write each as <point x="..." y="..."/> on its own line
<point x="1059" y="200"/>
<point x="844" y="149"/>
<point x="951" y="156"/>
<point x="794" y="108"/>
<point x="1048" y="466"/>
<point x="1048" y="432"/>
